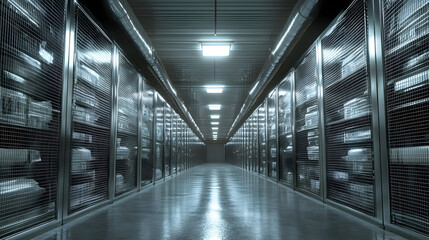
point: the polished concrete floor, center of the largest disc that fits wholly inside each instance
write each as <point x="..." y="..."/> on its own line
<point x="215" y="201"/>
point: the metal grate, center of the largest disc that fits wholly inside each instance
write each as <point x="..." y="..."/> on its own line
<point x="127" y="137"/>
<point x="174" y="143"/>
<point x="307" y="137"/>
<point x="406" y="46"/>
<point x="167" y="152"/>
<point x="272" y="134"/>
<point x="255" y="141"/>
<point x="262" y="139"/>
<point x="159" y="136"/>
<point x="31" y="64"/>
<point x="91" y="112"/>
<point x="147" y="134"/>
<point x="349" y="157"/>
<point x="285" y="130"/>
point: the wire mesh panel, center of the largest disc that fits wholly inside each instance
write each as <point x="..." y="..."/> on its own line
<point x="255" y="144"/>
<point x="174" y="143"/>
<point x="406" y="46"/>
<point x="31" y="65"/>
<point x="159" y="136"/>
<point x="272" y="134"/>
<point x="347" y="104"/>
<point x="181" y="145"/>
<point x="307" y="137"/>
<point x="285" y="130"/>
<point x="262" y="139"/>
<point x="127" y="137"/>
<point x="91" y="113"/>
<point x="167" y="152"/>
<point x="147" y="134"/>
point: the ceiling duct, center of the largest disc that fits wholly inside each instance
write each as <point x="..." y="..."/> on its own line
<point x="124" y="15"/>
<point x="295" y="23"/>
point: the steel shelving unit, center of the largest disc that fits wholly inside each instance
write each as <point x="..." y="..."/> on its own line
<point x="307" y="125"/>
<point x="348" y="112"/>
<point x="285" y="135"/>
<point x="406" y="75"/>
<point x="127" y="138"/>
<point x="31" y="62"/>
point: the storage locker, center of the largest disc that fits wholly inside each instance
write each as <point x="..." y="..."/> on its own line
<point x="406" y="63"/>
<point x="255" y="144"/>
<point x="307" y="125"/>
<point x="91" y="111"/>
<point x="181" y="145"/>
<point x="174" y="149"/>
<point x="167" y="134"/>
<point x="147" y="134"/>
<point x="348" y="128"/>
<point x="127" y="122"/>
<point x="31" y="65"/>
<point x="272" y="134"/>
<point x="262" y="124"/>
<point x="286" y="158"/>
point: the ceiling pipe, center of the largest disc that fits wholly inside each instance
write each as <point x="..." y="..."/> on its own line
<point x="295" y="23"/>
<point x="124" y="15"/>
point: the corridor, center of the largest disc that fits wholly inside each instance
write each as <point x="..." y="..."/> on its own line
<point x="217" y="201"/>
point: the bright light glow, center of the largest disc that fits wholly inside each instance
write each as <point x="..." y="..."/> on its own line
<point x="216" y="50"/>
<point x="285" y="34"/>
<point x="215" y="116"/>
<point x="214" y="136"/>
<point x="214" y="133"/>
<point x="254" y="87"/>
<point x="214" y="88"/>
<point x="215" y="128"/>
<point x="214" y="106"/>
<point x="215" y="123"/>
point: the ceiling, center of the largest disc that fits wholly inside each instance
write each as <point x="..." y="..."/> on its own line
<point x="177" y="28"/>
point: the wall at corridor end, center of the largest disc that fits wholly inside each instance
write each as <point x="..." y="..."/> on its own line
<point x="215" y="153"/>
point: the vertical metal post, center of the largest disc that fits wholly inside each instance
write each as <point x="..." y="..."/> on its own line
<point x="322" y="136"/>
<point x="66" y="112"/>
<point x="163" y="140"/>
<point x="113" y="125"/>
<point x="276" y="103"/>
<point x="139" y="133"/>
<point x="266" y="138"/>
<point x="293" y="122"/>
<point x="258" y="155"/>
<point x="155" y="99"/>
<point x="376" y="77"/>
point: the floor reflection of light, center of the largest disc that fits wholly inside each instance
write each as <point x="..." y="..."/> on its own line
<point x="214" y="228"/>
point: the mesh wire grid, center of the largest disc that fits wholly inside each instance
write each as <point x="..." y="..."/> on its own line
<point x="307" y="146"/>
<point x="406" y="44"/>
<point x="127" y="137"/>
<point x="31" y="63"/>
<point x="89" y="172"/>
<point x="348" y="130"/>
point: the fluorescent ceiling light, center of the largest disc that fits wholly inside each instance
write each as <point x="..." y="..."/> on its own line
<point x="214" y="88"/>
<point x="215" y="128"/>
<point x="215" y="116"/>
<point x="214" y="106"/>
<point x="215" y="123"/>
<point x="214" y="133"/>
<point x="216" y="50"/>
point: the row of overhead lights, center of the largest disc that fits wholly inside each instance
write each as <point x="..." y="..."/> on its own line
<point x="215" y="107"/>
<point x="215" y="50"/>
